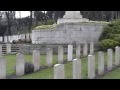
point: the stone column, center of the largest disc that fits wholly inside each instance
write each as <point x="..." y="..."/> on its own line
<point x="117" y="56"/>
<point x="91" y="47"/>
<point x="85" y="49"/>
<point x="0" y="49"/>
<point x="100" y="63"/>
<point x="78" y="51"/>
<point x="20" y="64"/>
<point x="76" y="69"/>
<point x="70" y="52"/>
<point x="110" y="59"/>
<point x="36" y="60"/>
<point x="60" y="54"/>
<point x="2" y="68"/>
<point x="91" y="66"/>
<point x="59" y="72"/>
<point x="8" y="46"/>
<point x="49" y="57"/>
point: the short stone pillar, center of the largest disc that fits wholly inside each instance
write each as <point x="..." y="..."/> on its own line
<point x="8" y="47"/>
<point x="59" y="71"/>
<point x="110" y="59"/>
<point x="91" y="47"/>
<point x="60" y="54"/>
<point x="20" y="64"/>
<point x="91" y="66"/>
<point x="78" y="51"/>
<point x="76" y="69"/>
<point x="70" y="52"/>
<point x="85" y="49"/>
<point x="36" y="60"/>
<point x="49" y="57"/>
<point x="117" y="56"/>
<point x="100" y="63"/>
<point x="0" y="49"/>
<point x="2" y="68"/>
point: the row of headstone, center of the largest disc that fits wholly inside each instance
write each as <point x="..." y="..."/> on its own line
<point x="59" y="69"/>
<point x="20" y="61"/>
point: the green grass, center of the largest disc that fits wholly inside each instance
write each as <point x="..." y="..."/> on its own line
<point x="48" y="73"/>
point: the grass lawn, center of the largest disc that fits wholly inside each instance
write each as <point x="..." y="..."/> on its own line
<point x="48" y="73"/>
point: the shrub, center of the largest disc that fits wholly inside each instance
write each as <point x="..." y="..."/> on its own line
<point x="108" y="43"/>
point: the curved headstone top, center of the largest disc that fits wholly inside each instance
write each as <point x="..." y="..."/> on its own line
<point x="72" y="17"/>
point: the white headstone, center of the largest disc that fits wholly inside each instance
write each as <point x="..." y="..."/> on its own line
<point x="91" y="66"/>
<point x="100" y="63"/>
<point x="91" y="47"/>
<point x="20" y="64"/>
<point x="85" y="49"/>
<point x="36" y="60"/>
<point x="110" y="59"/>
<point x="59" y="72"/>
<point x="60" y="54"/>
<point x="49" y="57"/>
<point x="117" y="56"/>
<point x="78" y="51"/>
<point x="0" y="49"/>
<point x="2" y="68"/>
<point x="8" y="48"/>
<point x="76" y="69"/>
<point x="70" y="52"/>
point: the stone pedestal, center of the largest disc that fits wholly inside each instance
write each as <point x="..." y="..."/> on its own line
<point x="72" y="17"/>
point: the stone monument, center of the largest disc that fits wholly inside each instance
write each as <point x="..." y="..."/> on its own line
<point x="72" y="16"/>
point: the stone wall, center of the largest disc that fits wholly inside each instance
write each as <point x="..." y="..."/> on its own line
<point x="68" y="33"/>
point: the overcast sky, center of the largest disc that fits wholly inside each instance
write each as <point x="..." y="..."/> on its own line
<point x="23" y="14"/>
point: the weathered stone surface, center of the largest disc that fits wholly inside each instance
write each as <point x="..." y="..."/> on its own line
<point x="59" y="72"/>
<point x="36" y="60"/>
<point x="100" y="63"/>
<point x="76" y="69"/>
<point x="78" y="51"/>
<point x="20" y="64"/>
<point x="117" y="56"/>
<point x="49" y="57"/>
<point x="91" y="66"/>
<point x="70" y="52"/>
<point x="110" y="59"/>
<point x="60" y="54"/>
<point x="2" y="68"/>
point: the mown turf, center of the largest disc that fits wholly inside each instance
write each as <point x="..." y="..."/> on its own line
<point x="48" y="73"/>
